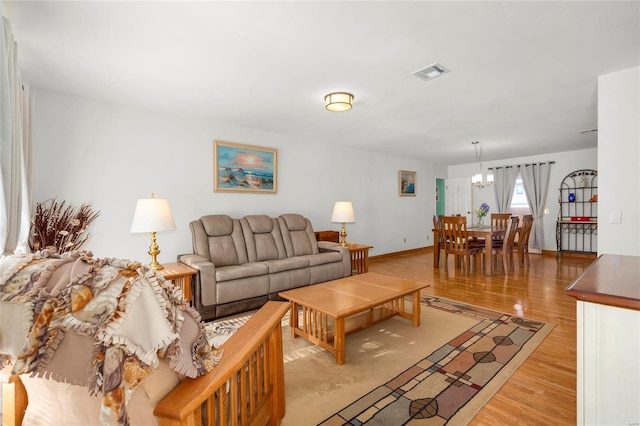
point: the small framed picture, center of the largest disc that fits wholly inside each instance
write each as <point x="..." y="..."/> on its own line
<point x="244" y="168"/>
<point x="406" y="183"/>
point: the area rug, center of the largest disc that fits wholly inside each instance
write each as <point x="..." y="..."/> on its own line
<point x="440" y="373"/>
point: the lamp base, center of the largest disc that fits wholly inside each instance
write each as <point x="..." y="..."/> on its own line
<point x="343" y="235"/>
<point x="154" y="251"/>
<point x="156" y="266"/>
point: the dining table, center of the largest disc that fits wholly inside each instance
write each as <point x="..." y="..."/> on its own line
<point x="487" y="232"/>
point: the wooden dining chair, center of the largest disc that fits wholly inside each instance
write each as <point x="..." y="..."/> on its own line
<point x="500" y="219"/>
<point x="503" y="249"/>
<point x="522" y="245"/>
<point x="457" y="243"/>
<point x="439" y="234"/>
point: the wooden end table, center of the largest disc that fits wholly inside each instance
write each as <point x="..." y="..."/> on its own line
<point x="359" y="258"/>
<point x="180" y="274"/>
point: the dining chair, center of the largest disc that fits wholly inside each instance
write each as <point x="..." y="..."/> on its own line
<point x="522" y="245"/>
<point x="439" y="234"/>
<point x="500" y="219"/>
<point x="457" y="243"/>
<point x="503" y="249"/>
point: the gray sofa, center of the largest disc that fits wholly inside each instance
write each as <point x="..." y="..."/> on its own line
<point x="243" y="263"/>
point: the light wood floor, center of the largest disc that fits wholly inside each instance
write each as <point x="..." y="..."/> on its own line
<point x="543" y="390"/>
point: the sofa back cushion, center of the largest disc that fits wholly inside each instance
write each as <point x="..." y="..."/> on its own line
<point x="220" y="239"/>
<point x="263" y="238"/>
<point x="297" y="234"/>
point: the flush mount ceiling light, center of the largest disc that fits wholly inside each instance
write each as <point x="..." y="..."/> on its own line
<point x="431" y="72"/>
<point x="338" y="101"/>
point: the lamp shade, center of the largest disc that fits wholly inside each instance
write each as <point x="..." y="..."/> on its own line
<point x="343" y="212"/>
<point x="152" y="215"/>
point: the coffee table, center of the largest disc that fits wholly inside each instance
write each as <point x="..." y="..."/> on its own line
<point x="332" y="310"/>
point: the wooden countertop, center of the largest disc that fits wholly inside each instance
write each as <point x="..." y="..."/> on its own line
<point x="611" y="280"/>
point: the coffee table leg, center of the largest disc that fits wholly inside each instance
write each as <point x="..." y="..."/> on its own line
<point x="293" y="319"/>
<point x="416" y="309"/>
<point x="339" y="341"/>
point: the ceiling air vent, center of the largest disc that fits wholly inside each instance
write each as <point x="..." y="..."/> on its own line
<point x="430" y="72"/>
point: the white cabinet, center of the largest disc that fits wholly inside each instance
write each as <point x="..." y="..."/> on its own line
<point x="608" y="341"/>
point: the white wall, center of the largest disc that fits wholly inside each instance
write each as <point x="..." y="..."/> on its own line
<point x="619" y="159"/>
<point x="109" y="156"/>
<point x="565" y="163"/>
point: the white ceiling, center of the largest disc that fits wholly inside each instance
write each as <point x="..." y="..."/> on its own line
<point x="523" y="77"/>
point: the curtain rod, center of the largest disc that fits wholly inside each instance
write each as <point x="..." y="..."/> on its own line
<point x="521" y="165"/>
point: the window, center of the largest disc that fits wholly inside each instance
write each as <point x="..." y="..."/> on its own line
<point x="519" y="199"/>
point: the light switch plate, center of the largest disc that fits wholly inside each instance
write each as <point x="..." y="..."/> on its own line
<point x="615" y="217"/>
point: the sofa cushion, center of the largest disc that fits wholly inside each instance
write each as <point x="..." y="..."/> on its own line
<point x="217" y="224"/>
<point x="236" y="272"/>
<point x="223" y="251"/>
<point x="294" y="222"/>
<point x="297" y="235"/>
<point x="287" y="264"/>
<point x="263" y="238"/>
<point x="324" y="258"/>
<point x="260" y="224"/>
<point x="219" y="238"/>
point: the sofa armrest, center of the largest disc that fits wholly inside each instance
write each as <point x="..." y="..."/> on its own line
<point x="205" y="280"/>
<point x="325" y="246"/>
<point x="331" y="246"/>
<point x="192" y="259"/>
<point x="206" y="268"/>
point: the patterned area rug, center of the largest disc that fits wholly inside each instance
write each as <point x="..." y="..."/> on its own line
<point x="440" y="373"/>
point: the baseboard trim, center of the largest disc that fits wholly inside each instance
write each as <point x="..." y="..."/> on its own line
<point x="430" y="249"/>
<point x="578" y="255"/>
<point x="400" y="253"/>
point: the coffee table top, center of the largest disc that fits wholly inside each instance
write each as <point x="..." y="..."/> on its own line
<point x="351" y="295"/>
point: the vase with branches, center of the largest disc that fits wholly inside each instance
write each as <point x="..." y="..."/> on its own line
<point x="59" y="226"/>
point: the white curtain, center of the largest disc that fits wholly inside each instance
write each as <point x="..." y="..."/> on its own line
<point x="504" y="182"/>
<point x="535" y="179"/>
<point x="16" y="148"/>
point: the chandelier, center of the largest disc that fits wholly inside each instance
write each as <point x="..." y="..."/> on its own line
<point x="477" y="179"/>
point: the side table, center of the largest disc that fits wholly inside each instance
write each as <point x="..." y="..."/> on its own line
<point x="359" y="258"/>
<point x="180" y="274"/>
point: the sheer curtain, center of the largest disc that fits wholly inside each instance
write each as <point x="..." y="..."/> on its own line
<point x="16" y="146"/>
<point x="535" y="179"/>
<point x="504" y="182"/>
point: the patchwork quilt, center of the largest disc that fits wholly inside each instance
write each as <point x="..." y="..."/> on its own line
<point x="132" y="315"/>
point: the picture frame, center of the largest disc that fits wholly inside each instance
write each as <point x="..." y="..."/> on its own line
<point x="244" y="168"/>
<point x="406" y="183"/>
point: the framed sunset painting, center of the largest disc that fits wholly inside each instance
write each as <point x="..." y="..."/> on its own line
<point x="244" y="168"/>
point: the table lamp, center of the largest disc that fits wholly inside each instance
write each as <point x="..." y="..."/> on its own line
<point x="343" y="213"/>
<point x="153" y="215"/>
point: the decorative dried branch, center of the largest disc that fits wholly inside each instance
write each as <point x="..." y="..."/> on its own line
<point x="59" y="226"/>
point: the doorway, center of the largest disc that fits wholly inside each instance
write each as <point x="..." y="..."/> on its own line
<point x="458" y="197"/>
<point x="440" y="196"/>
